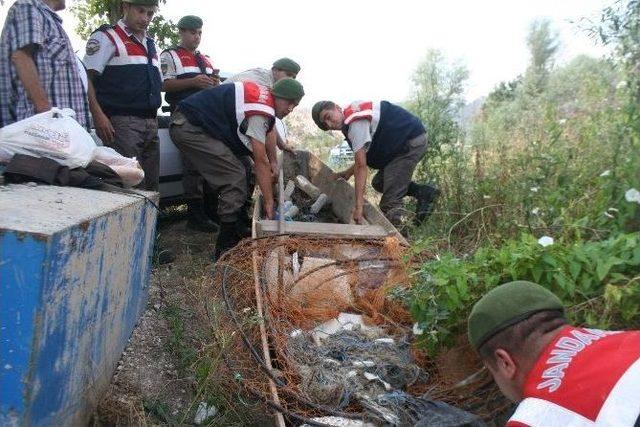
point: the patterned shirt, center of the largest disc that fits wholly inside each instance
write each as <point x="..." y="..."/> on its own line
<point x="33" y="22"/>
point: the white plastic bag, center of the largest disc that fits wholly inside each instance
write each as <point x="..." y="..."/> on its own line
<point x="54" y="134"/>
<point x="127" y="168"/>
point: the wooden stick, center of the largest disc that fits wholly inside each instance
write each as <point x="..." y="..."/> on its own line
<point x="279" y="418"/>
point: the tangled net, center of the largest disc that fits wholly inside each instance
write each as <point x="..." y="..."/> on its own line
<point x="308" y="327"/>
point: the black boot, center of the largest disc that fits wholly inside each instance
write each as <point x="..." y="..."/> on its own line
<point x="229" y="236"/>
<point x="198" y="218"/>
<point x="425" y="197"/>
<point x="245" y="214"/>
<point x="210" y="200"/>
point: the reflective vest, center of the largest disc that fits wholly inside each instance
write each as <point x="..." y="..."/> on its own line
<point x="187" y="65"/>
<point x="131" y="81"/>
<point x="222" y="112"/>
<point x="391" y="126"/>
<point x="585" y="377"/>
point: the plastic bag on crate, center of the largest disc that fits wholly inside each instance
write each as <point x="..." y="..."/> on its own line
<point x="53" y="134"/>
<point x="127" y="168"/>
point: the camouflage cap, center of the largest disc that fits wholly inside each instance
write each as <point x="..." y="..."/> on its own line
<point x="507" y="305"/>
<point x="288" y="89"/>
<point x="190" y="22"/>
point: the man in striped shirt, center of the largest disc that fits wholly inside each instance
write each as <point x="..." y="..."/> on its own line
<point x="39" y="69"/>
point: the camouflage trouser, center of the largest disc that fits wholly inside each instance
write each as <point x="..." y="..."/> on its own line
<point x="138" y="137"/>
<point x="224" y="172"/>
<point x="394" y="179"/>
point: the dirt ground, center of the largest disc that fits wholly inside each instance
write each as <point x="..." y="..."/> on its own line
<point x="158" y="380"/>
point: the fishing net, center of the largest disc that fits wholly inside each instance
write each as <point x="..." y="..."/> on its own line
<point x="310" y="327"/>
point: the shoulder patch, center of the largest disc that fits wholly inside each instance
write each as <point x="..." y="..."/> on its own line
<point x="93" y="46"/>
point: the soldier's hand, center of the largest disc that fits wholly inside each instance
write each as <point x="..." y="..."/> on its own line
<point x="104" y="129"/>
<point x="358" y="216"/>
<point x="202" y="81"/>
<point x="216" y="79"/>
<point x="269" y="207"/>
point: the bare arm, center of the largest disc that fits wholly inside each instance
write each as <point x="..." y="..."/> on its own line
<point x="361" y="171"/>
<point x="263" y="175"/>
<point x="272" y="152"/>
<point x="200" y="81"/>
<point x="284" y="145"/>
<point x="103" y="125"/>
<point x="27" y="72"/>
<point x="347" y="173"/>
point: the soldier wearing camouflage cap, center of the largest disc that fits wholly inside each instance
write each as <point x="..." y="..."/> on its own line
<point x="561" y="375"/>
<point x="219" y="129"/>
<point x="125" y="79"/>
<point x="185" y="71"/>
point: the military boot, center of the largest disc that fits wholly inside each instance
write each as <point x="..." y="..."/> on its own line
<point x="198" y="218"/>
<point x="231" y="233"/>
<point x="425" y="196"/>
<point x="227" y="238"/>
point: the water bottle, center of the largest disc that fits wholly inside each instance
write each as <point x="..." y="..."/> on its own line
<point x="318" y="204"/>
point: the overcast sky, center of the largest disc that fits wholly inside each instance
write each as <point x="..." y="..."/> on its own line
<point x="356" y="49"/>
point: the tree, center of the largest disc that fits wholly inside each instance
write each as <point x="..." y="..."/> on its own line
<point x="437" y="98"/>
<point x="93" y="13"/>
<point x="543" y="45"/>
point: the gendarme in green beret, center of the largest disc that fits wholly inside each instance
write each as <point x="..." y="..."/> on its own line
<point x="287" y="64"/>
<point x="190" y="22"/>
<point x="507" y="305"/>
<point x="142" y="2"/>
<point x="288" y="89"/>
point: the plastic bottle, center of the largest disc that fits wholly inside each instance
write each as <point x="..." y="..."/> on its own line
<point x="305" y="185"/>
<point x="318" y="204"/>
<point x="288" y="190"/>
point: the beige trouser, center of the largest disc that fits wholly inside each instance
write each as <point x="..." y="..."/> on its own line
<point x="224" y="171"/>
<point x="138" y="137"/>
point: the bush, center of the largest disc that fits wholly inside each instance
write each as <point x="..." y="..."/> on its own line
<point x="600" y="279"/>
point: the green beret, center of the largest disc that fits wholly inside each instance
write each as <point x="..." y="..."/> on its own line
<point x="287" y="64"/>
<point x="142" y="2"/>
<point x="288" y="89"/>
<point x="507" y="305"/>
<point x="190" y="22"/>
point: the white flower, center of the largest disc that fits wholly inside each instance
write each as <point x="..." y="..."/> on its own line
<point x="621" y="85"/>
<point x="606" y="173"/>
<point x="535" y="211"/>
<point x="632" y="195"/>
<point x="613" y="210"/>
<point x="545" y="241"/>
<point x="417" y="330"/>
<point x="608" y="215"/>
<point x="486" y="196"/>
<point x="562" y="121"/>
<point x="534" y="189"/>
